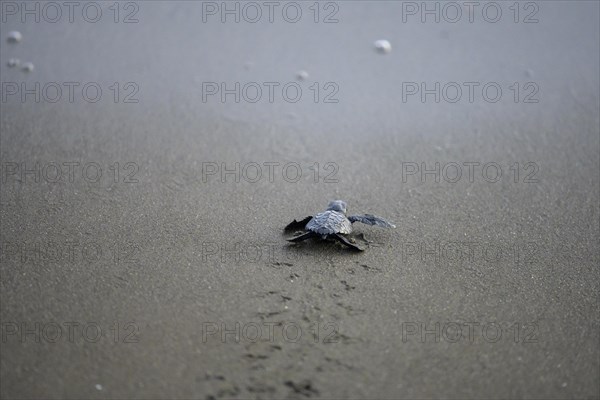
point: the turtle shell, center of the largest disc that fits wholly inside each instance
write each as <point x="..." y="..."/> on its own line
<point x="329" y="222"/>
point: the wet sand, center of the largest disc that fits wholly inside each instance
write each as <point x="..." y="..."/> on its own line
<point x="167" y="274"/>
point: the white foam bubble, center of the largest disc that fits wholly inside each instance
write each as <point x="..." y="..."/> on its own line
<point x="14" y="37"/>
<point x="302" y="75"/>
<point x="27" y="67"/>
<point x="383" y="46"/>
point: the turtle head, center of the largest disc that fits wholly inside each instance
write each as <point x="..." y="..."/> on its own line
<point x="337" y="205"/>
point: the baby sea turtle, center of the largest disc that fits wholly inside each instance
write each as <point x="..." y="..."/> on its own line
<point x="334" y="223"/>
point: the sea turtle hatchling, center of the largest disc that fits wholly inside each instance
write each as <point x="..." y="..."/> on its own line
<point x="333" y="223"/>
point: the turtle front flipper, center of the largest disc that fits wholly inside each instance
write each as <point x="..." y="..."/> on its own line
<point x="344" y="240"/>
<point x="304" y="236"/>
<point x="370" y="219"/>
<point x="297" y="225"/>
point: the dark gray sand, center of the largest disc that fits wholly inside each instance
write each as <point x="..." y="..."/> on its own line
<point x="164" y="278"/>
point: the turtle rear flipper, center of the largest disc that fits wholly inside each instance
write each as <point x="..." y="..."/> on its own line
<point x="304" y="236"/>
<point x="297" y="225"/>
<point x="344" y="240"/>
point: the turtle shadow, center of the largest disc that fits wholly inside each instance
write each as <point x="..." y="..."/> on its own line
<point x="329" y="246"/>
